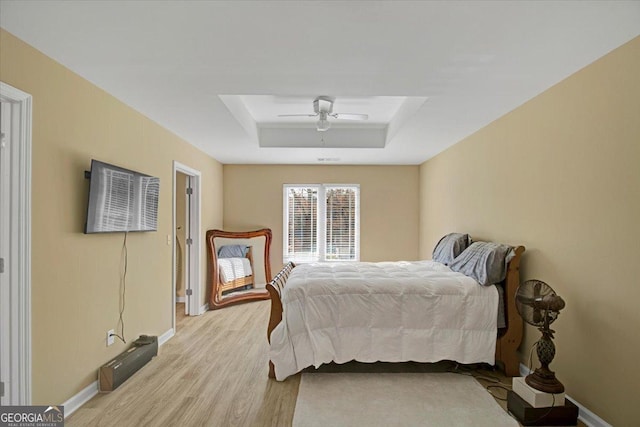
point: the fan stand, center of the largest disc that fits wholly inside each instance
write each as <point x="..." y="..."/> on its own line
<point x="543" y="378"/>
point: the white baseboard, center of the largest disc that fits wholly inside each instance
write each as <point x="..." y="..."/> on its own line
<point x="584" y="415"/>
<point x="204" y="309"/>
<point x="75" y="402"/>
<point x="181" y="299"/>
<point x="165" y="337"/>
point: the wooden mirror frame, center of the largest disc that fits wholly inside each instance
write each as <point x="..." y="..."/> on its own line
<point x="216" y="301"/>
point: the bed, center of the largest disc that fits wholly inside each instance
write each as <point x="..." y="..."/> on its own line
<point x="420" y="311"/>
<point x="235" y="268"/>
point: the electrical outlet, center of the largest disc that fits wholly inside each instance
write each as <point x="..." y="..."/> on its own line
<point x="110" y="338"/>
<point x="168" y="239"/>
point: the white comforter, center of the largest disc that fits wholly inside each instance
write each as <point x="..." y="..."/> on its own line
<point x="389" y="311"/>
<point x="234" y="268"/>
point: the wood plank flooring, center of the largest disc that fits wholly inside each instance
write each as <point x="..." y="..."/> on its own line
<point x="213" y="372"/>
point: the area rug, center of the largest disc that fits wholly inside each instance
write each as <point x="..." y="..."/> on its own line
<point x="390" y="399"/>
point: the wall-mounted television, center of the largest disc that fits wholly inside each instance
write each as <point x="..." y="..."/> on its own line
<point x="121" y="200"/>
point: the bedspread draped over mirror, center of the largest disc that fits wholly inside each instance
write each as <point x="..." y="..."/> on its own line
<point x="238" y="266"/>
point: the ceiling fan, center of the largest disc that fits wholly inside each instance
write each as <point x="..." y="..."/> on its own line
<point x="323" y="107"/>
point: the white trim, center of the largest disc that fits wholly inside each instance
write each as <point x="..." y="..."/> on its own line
<point x="82" y="397"/>
<point x="6" y="345"/>
<point x="204" y="308"/>
<point x="584" y="414"/>
<point x="180" y="299"/>
<point x="75" y="402"/>
<point x="174" y="279"/>
<point x="588" y="417"/>
<point x="193" y="303"/>
<point x="166" y="336"/>
<point x="21" y="241"/>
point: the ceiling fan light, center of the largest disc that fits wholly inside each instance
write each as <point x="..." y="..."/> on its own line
<point x="323" y="124"/>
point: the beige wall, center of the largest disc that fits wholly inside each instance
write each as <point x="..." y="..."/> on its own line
<point x="388" y="204"/>
<point x="75" y="277"/>
<point x="561" y="175"/>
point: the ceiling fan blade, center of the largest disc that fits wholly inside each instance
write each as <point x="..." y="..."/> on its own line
<point x="350" y="116"/>
<point x="297" y="115"/>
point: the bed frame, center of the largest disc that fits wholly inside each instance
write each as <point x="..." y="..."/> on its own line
<point x="240" y="282"/>
<point x="509" y="338"/>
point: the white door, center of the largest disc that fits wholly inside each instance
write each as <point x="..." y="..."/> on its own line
<point x="187" y="248"/>
<point x="15" y="246"/>
<point x="5" y="262"/>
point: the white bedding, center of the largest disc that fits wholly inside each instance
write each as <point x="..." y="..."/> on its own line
<point x="389" y="311"/>
<point x="233" y="268"/>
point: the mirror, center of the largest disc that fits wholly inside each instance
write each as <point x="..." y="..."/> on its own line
<point x="239" y="266"/>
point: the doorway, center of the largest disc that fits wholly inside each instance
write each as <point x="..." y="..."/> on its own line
<point x="183" y="234"/>
<point x="186" y="242"/>
<point x="15" y="246"/>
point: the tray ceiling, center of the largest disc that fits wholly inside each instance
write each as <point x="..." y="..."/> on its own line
<point x="172" y="61"/>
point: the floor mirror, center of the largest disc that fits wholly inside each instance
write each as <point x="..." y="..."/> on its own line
<point x="239" y="266"/>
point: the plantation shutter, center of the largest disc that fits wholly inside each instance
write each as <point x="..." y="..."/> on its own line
<point x="301" y="224"/>
<point x="341" y="223"/>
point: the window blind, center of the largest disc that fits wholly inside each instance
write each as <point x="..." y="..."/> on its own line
<point x="321" y="223"/>
<point x="302" y="224"/>
<point x="340" y="223"/>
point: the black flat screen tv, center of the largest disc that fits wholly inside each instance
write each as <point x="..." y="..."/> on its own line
<point x="121" y="200"/>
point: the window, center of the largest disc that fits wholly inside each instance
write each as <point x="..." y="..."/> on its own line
<point x="321" y="223"/>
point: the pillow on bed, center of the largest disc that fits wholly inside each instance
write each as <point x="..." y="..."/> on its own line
<point x="232" y="251"/>
<point x="450" y="246"/>
<point x="484" y="261"/>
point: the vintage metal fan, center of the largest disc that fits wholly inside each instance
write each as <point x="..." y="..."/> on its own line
<point x="323" y="109"/>
<point x="539" y="306"/>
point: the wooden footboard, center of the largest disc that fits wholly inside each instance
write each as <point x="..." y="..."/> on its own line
<point x="508" y="340"/>
<point x="275" y="292"/>
<point x="240" y="282"/>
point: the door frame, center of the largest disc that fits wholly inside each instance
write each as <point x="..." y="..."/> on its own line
<point x="192" y="283"/>
<point x="20" y="263"/>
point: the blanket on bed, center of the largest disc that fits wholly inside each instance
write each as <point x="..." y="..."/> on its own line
<point x="390" y="311"/>
<point x="234" y="268"/>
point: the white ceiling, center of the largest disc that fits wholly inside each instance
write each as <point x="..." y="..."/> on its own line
<point x="474" y="61"/>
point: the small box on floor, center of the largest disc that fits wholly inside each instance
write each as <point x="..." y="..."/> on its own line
<point x="527" y="415"/>
<point x="124" y="365"/>
<point x="536" y="398"/>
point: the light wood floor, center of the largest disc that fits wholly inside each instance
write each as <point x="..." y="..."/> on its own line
<point x="213" y="372"/>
